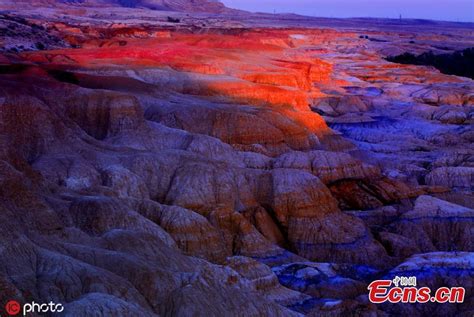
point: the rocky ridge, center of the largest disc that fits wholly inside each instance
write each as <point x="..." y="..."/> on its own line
<point x="228" y="170"/>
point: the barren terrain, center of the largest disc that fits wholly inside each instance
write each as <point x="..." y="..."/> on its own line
<point x="212" y="162"/>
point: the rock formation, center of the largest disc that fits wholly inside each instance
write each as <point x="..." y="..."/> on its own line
<point x="150" y="167"/>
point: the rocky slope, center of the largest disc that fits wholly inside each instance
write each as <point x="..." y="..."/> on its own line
<point x="157" y="169"/>
<point x="210" y="6"/>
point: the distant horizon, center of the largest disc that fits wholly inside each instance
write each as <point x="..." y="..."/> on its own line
<point x="454" y="10"/>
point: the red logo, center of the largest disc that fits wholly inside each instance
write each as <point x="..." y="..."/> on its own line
<point x="13" y="307"/>
<point x="405" y="291"/>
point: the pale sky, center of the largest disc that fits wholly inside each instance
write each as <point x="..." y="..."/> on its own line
<point x="450" y="10"/>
